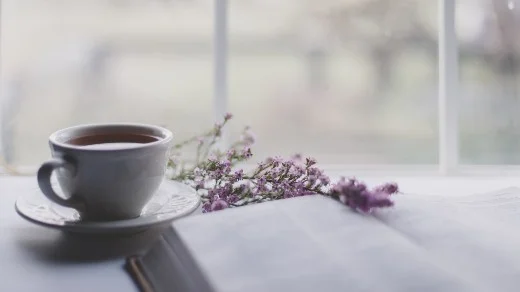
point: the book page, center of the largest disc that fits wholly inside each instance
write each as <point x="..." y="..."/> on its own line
<point x="314" y="244"/>
<point x="475" y="235"/>
<point x="502" y="205"/>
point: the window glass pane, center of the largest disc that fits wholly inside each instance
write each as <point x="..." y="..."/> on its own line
<point x="489" y="70"/>
<point x="346" y="81"/>
<point x="85" y="61"/>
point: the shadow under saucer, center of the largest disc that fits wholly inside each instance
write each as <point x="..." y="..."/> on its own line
<point x="55" y="246"/>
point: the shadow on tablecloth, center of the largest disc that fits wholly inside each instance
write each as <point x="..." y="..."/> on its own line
<point x="55" y="246"/>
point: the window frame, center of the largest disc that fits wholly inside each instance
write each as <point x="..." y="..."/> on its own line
<point x="448" y="88"/>
<point x="447" y="96"/>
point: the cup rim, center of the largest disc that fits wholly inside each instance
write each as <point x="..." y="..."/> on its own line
<point x="167" y="135"/>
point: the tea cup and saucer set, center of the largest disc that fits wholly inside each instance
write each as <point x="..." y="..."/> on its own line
<point x="112" y="177"/>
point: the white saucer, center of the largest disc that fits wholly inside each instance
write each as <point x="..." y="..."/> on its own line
<point x="173" y="200"/>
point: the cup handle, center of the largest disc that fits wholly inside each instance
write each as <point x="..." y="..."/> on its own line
<point x="44" y="182"/>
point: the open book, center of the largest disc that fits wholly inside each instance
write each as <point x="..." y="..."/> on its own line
<point x="313" y="243"/>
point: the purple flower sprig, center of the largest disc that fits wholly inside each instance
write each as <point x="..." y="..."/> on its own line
<point x="356" y="194"/>
<point x="276" y="179"/>
<point x="212" y="173"/>
<point x="182" y="168"/>
<point x="272" y="179"/>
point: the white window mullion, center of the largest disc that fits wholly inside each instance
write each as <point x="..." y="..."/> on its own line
<point x="448" y="88"/>
<point x="220" y="53"/>
<point x="3" y="120"/>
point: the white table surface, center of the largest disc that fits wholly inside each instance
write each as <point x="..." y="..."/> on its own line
<point x="34" y="258"/>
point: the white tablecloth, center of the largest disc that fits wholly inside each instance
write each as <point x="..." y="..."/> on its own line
<point x="34" y="258"/>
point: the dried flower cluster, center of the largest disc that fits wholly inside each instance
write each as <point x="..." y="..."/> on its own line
<point x="214" y="174"/>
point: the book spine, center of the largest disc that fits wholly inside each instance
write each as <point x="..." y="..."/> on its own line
<point x="168" y="266"/>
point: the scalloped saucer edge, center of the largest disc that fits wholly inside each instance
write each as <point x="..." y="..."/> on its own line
<point x="173" y="200"/>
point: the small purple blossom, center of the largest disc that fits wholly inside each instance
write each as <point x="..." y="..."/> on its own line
<point x="389" y="188"/>
<point x="275" y="161"/>
<point x="206" y="207"/>
<point x="228" y="116"/>
<point x="379" y="200"/>
<point x="232" y="199"/>
<point x="219" y="205"/>
<point x="297" y="157"/>
<point x="324" y="180"/>
<point x="226" y="166"/>
<point x="312" y="179"/>
<point x="247" y="138"/>
<point x="314" y="171"/>
<point x="261" y="185"/>
<point x="356" y="195"/>
<point x="230" y="154"/>
<point x="310" y="161"/>
<point x="199" y="185"/>
<point x="237" y="176"/>
<point x="243" y="189"/>
<point x="246" y="153"/>
<point x="297" y="171"/>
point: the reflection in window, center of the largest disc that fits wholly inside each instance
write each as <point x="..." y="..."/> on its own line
<point x="490" y="64"/>
<point x="83" y="61"/>
<point x="344" y="81"/>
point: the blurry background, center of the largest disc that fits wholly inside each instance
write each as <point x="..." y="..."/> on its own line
<point x="346" y="81"/>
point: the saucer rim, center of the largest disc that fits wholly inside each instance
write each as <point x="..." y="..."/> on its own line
<point x="117" y="226"/>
